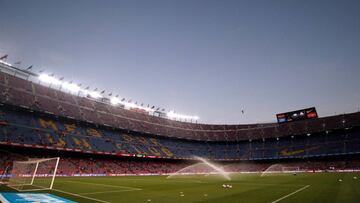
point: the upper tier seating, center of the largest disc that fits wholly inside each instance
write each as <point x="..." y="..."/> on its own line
<point x="20" y="92"/>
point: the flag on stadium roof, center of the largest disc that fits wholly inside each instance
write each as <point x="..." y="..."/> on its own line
<point x="4" y="57"/>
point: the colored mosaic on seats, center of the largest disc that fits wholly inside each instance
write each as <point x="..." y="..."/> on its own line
<point x="28" y="128"/>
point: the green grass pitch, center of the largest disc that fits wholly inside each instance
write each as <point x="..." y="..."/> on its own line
<point x="306" y="187"/>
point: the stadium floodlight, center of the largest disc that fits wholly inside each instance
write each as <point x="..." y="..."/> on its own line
<point x="71" y="87"/>
<point x="174" y="115"/>
<point x="132" y="106"/>
<point x="114" y="100"/>
<point x="92" y="94"/>
<point x="74" y="88"/>
<point x="6" y="63"/>
<point x="95" y="95"/>
<point x="49" y="79"/>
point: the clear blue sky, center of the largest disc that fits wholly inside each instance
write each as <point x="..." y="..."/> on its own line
<point x="203" y="57"/>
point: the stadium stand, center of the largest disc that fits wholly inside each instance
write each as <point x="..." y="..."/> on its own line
<point x="80" y="165"/>
<point x="45" y="99"/>
<point x="31" y="129"/>
<point x="34" y="116"/>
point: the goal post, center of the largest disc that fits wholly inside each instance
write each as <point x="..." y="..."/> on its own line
<point x="281" y="169"/>
<point x="4" y="177"/>
<point x="34" y="174"/>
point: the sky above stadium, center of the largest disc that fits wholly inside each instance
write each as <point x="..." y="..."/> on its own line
<point x="207" y="58"/>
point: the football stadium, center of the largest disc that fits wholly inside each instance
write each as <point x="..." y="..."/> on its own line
<point x="85" y="147"/>
<point x="62" y="141"/>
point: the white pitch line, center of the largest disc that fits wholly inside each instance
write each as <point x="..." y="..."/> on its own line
<point x="2" y="199"/>
<point x="288" y="195"/>
<point x="269" y="184"/>
<point x="81" y="196"/>
<point x="111" y="191"/>
<point x="99" y="184"/>
<point x="185" y="181"/>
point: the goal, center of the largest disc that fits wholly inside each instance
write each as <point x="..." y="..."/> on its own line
<point x="292" y="169"/>
<point x="34" y="174"/>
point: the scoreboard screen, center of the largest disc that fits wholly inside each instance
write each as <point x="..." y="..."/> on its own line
<point x="298" y="115"/>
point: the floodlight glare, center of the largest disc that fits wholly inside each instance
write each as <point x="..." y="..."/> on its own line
<point x="95" y="95"/>
<point x="171" y="114"/>
<point x="174" y="115"/>
<point x="114" y="100"/>
<point x="49" y="79"/>
<point x="6" y="63"/>
<point x="131" y="105"/>
<point x="72" y="87"/>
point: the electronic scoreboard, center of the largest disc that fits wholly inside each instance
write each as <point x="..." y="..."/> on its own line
<point x="302" y="114"/>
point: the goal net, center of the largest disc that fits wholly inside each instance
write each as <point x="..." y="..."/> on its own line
<point x="34" y="174"/>
<point x="280" y="169"/>
<point x="292" y="169"/>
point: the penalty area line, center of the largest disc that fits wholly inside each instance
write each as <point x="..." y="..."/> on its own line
<point x="105" y="185"/>
<point x="111" y="191"/>
<point x="288" y="195"/>
<point x="81" y="196"/>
